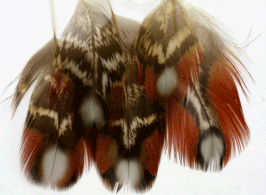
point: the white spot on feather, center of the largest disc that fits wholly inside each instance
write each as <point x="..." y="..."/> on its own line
<point x="167" y="82"/>
<point x="129" y="172"/>
<point x="55" y="164"/>
<point x="91" y="111"/>
<point x="212" y="150"/>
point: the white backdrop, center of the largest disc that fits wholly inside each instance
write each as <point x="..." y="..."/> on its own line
<point x="26" y="27"/>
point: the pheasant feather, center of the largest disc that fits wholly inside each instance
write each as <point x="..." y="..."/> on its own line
<point x="117" y="92"/>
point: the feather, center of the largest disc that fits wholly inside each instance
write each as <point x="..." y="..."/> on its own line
<point x="191" y="72"/>
<point x="38" y="66"/>
<point x="68" y="114"/>
<point x="113" y="92"/>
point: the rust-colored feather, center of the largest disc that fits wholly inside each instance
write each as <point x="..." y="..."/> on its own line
<point x="182" y="133"/>
<point x="226" y="103"/>
<point x="116" y="92"/>
<point x="189" y="72"/>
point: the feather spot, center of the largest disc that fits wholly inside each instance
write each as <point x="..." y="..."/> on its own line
<point x="91" y="111"/>
<point x="167" y="82"/>
<point x="55" y="164"/>
<point x="212" y="149"/>
<point x="129" y="172"/>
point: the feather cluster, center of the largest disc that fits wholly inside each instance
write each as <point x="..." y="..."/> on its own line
<point x="117" y="92"/>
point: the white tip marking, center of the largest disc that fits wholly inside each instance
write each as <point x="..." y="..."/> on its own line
<point x="129" y="172"/>
<point x="91" y="111"/>
<point x="212" y="150"/>
<point x="167" y="82"/>
<point x="55" y="164"/>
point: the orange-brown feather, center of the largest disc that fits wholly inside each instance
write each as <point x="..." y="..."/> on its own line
<point x="32" y="141"/>
<point x="101" y="157"/>
<point x="83" y="151"/>
<point x="188" y="66"/>
<point x="150" y="83"/>
<point x="182" y="135"/>
<point x="226" y="103"/>
<point x="152" y="148"/>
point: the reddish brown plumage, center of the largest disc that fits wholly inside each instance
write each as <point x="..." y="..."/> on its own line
<point x="202" y="107"/>
<point x="32" y="141"/>
<point x="150" y="83"/>
<point x="101" y="157"/>
<point x="83" y="151"/>
<point x="62" y="91"/>
<point x="182" y="136"/>
<point x="226" y="103"/>
<point x="188" y="66"/>
<point x="152" y="148"/>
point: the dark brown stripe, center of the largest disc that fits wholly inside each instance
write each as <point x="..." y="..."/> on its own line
<point x="187" y="44"/>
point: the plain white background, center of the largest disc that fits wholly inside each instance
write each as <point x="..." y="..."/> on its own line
<point x="26" y="27"/>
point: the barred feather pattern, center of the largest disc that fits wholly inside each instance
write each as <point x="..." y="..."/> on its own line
<point x="188" y="65"/>
<point x="116" y="92"/>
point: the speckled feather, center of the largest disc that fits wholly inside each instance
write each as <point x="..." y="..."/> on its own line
<point x="116" y="92"/>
